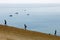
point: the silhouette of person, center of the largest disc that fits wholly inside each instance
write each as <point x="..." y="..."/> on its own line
<point x="55" y="32"/>
<point x="5" y="22"/>
<point x="25" y="26"/>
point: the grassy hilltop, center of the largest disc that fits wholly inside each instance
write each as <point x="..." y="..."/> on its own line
<point x="12" y="33"/>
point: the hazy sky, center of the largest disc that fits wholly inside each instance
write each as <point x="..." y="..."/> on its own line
<point x="29" y="1"/>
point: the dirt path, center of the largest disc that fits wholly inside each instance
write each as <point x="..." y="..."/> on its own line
<point x="11" y="33"/>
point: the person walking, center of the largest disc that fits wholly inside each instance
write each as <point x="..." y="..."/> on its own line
<point x="25" y="26"/>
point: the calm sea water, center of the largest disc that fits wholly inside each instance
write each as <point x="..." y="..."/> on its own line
<point x="42" y="19"/>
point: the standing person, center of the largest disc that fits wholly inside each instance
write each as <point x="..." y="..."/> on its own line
<point x="25" y="26"/>
<point x="5" y="22"/>
<point x="55" y="32"/>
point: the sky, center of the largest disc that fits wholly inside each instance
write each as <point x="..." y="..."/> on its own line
<point x="28" y="1"/>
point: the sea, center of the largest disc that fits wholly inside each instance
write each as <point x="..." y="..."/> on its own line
<point x="43" y="18"/>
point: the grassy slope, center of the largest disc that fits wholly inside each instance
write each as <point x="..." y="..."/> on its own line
<point x="12" y="33"/>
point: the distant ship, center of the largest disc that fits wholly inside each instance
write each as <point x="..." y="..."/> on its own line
<point x="28" y="14"/>
<point x="10" y="15"/>
<point x="16" y="13"/>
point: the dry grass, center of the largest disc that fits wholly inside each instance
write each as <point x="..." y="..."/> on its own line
<point x="12" y="33"/>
